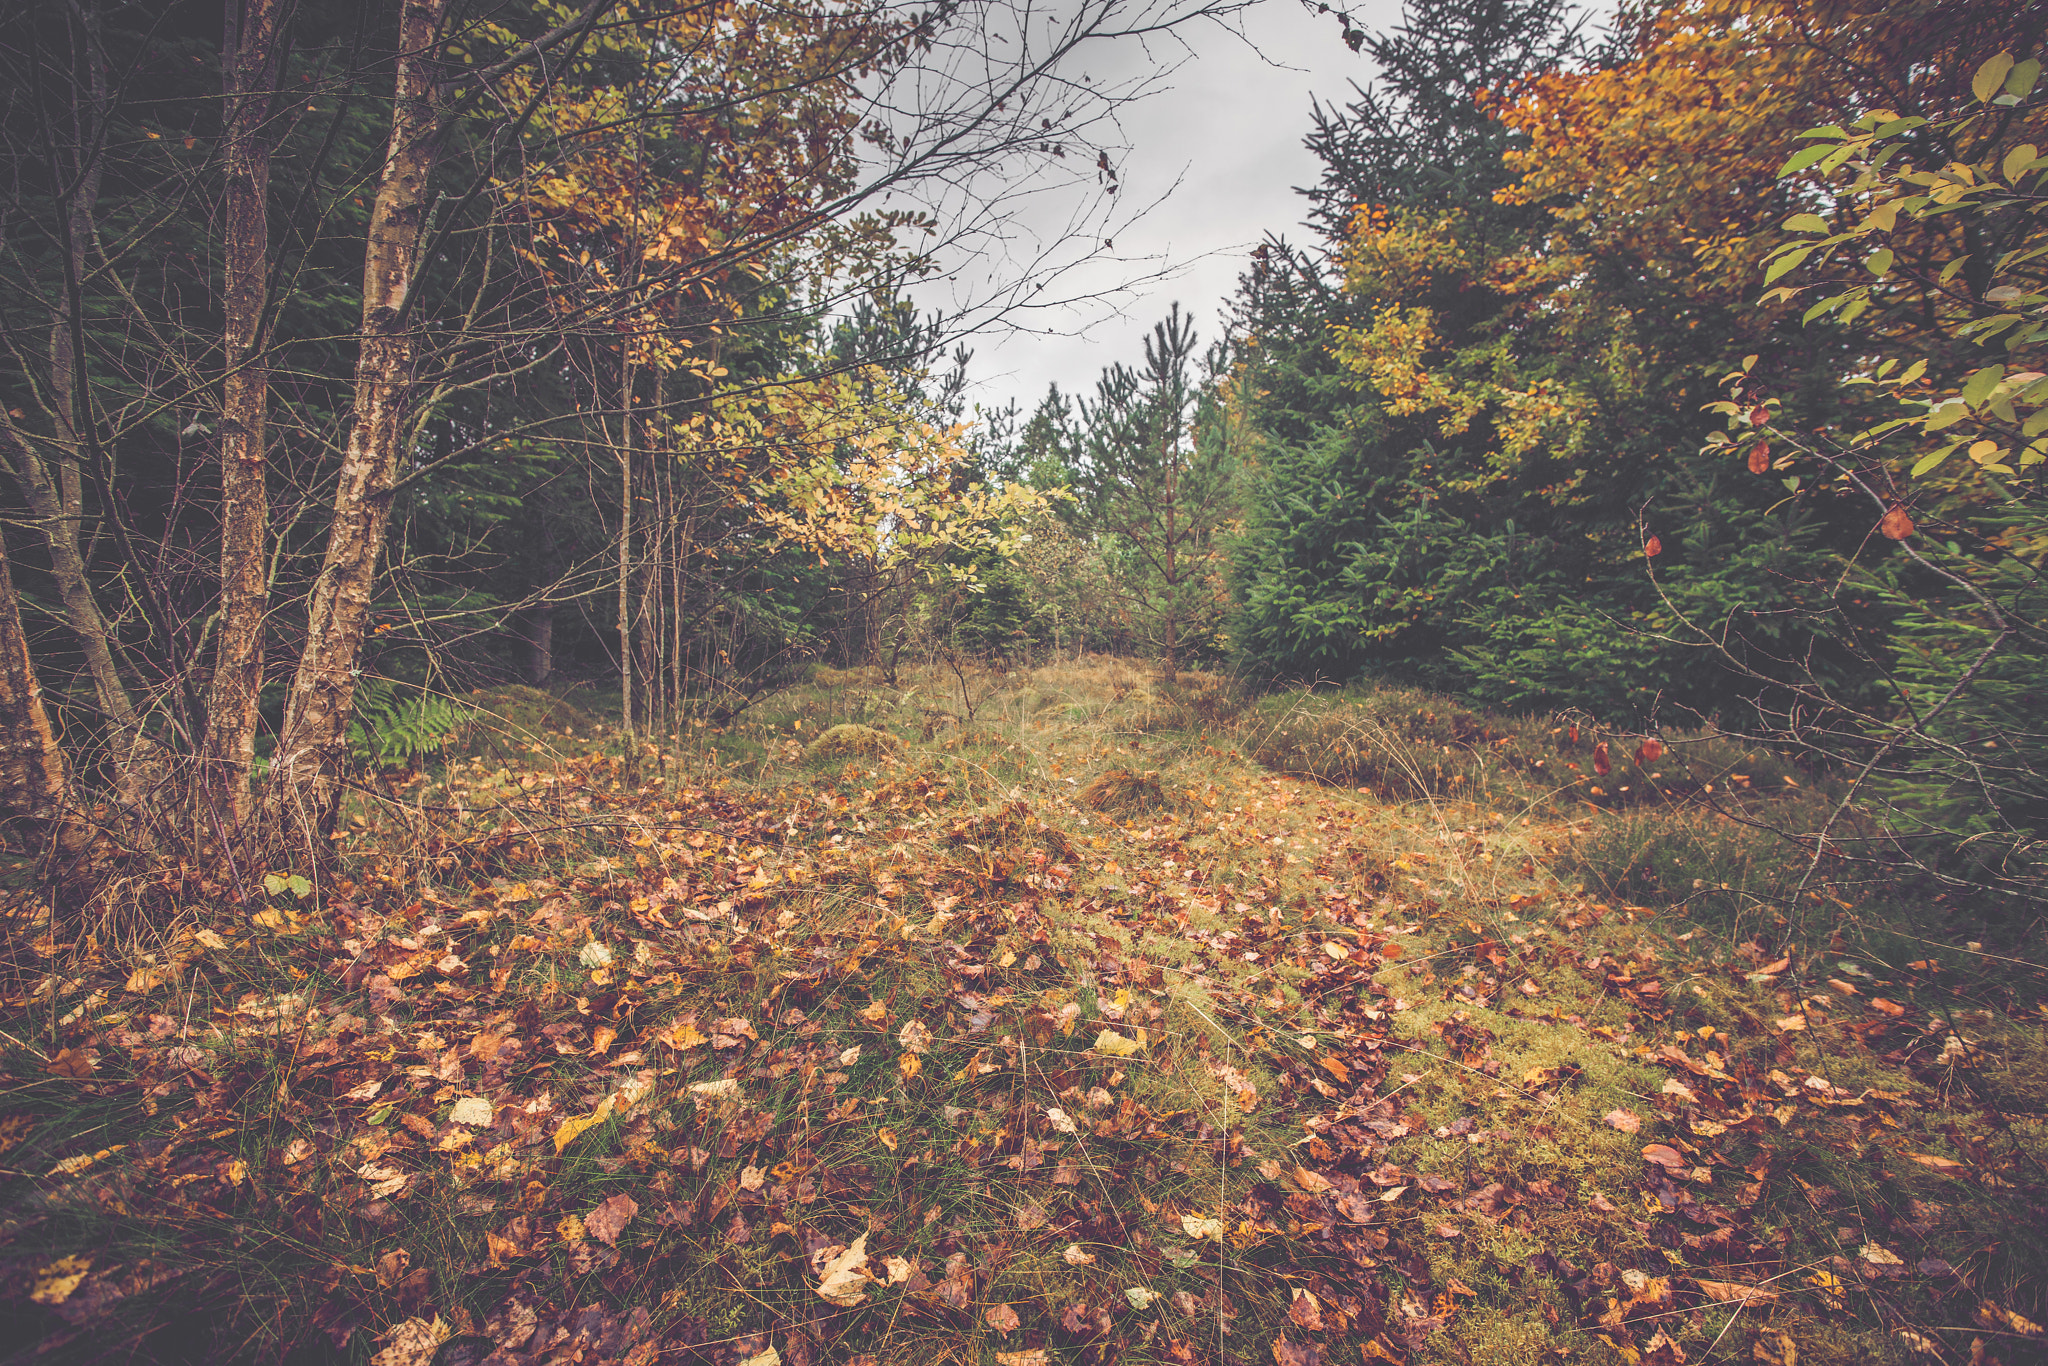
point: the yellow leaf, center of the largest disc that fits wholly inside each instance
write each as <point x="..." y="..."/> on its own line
<point x="1990" y="77"/>
<point x="55" y="1282"/>
<point x="570" y="1229"/>
<point x="1115" y="1044"/>
<point x="571" y="1128"/>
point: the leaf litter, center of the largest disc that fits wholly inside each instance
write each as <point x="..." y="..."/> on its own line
<point x="813" y="1072"/>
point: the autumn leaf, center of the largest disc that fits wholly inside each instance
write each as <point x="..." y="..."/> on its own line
<point x="55" y="1282"/>
<point x="843" y="1279"/>
<point x="1669" y="1158"/>
<point x="471" y="1110"/>
<point x="1116" y="1045"/>
<point x="413" y="1342"/>
<point x="1624" y="1120"/>
<point x="570" y="1129"/>
<point x="609" y="1219"/>
<point x="1002" y="1318"/>
<point x="1733" y="1292"/>
<point x="1946" y="1165"/>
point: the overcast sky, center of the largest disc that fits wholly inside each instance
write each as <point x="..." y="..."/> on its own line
<point x="1222" y="146"/>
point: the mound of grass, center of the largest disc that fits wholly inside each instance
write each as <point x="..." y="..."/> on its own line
<point x="849" y="740"/>
<point x="1120" y="791"/>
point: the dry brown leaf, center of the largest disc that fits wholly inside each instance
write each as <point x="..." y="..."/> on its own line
<point x="1669" y="1158"/>
<point x="1002" y="1318"/>
<point x="609" y="1219"/>
<point x="1734" y="1292"/>
<point x="1625" y="1120"/>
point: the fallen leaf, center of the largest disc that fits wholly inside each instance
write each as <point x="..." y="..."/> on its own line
<point x="1034" y="1357"/>
<point x="1287" y="1353"/>
<point x="1061" y="1121"/>
<point x="1002" y="1318"/>
<point x="768" y="1356"/>
<point x="1074" y="1256"/>
<point x="1670" y="1159"/>
<point x="1998" y="1318"/>
<point x="1196" y="1226"/>
<point x="914" y="1037"/>
<point x="727" y="1089"/>
<point x="842" y="1280"/>
<point x="753" y="1178"/>
<point x="609" y="1219"/>
<point x="1940" y="1164"/>
<point x="413" y="1343"/>
<point x="850" y="1056"/>
<point x="55" y="1282"/>
<point x="909" y="1065"/>
<point x="1305" y="1312"/>
<point x="1141" y="1297"/>
<point x="898" y="1269"/>
<point x="1734" y="1292"/>
<point x="71" y="1062"/>
<point x="570" y="1129"/>
<point x="1879" y="1255"/>
<point x="1115" y="1044"/>
<point x="471" y="1110"/>
<point x="1624" y="1120"/>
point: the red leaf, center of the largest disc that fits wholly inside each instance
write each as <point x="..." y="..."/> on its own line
<point x="1896" y="525"/>
<point x="1760" y="458"/>
<point x="1649" y="752"/>
<point x="1653" y="547"/>
<point x="1600" y="764"/>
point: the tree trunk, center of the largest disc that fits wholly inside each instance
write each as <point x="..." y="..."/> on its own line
<point x="540" y="644"/>
<point x="35" y="787"/>
<point x="305" y="786"/>
<point x="625" y="622"/>
<point x="250" y="52"/>
<point x="49" y="472"/>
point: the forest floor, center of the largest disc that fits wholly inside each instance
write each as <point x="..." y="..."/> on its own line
<point x="1059" y="1017"/>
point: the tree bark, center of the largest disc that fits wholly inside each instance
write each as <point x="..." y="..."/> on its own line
<point x="49" y="470"/>
<point x="35" y="785"/>
<point x="305" y="787"/>
<point x="250" y="63"/>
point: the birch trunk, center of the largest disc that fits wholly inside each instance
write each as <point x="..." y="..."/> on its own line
<point x="250" y="64"/>
<point x="305" y="787"/>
